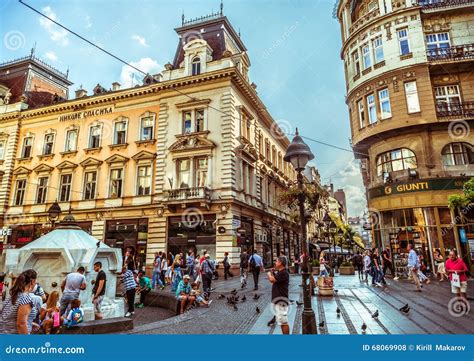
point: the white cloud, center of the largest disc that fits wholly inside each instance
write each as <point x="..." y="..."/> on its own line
<point x="88" y="22"/>
<point x="140" y="40"/>
<point x="351" y="169"/>
<point x="57" y="34"/>
<point x="355" y="197"/>
<point x="50" y="55"/>
<point x="147" y="65"/>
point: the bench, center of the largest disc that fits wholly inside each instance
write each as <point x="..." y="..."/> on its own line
<point x="108" y="325"/>
<point x="164" y="299"/>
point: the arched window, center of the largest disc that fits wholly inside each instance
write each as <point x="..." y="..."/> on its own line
<point x="458" y="154"/>
<point x="395" y="160"/>
<point x="196" y="66"/>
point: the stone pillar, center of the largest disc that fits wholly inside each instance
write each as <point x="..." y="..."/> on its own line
<point x="157" y="229"/>
<point x="227" y="241"/>
<point x="98" y="229"/>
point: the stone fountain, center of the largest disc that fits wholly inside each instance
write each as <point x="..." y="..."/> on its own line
<point x="62" y="251"/>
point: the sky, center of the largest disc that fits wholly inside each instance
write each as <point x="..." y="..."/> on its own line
<point x="293" y="45"/>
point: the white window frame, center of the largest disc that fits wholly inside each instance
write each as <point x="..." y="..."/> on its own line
<point x="17" y="188"/>
<point x="384" y="98"/>
<point x="86" y="182"/>
<point x="434" y="39"/>
<point x="402" y="35"/>
<point x="411" y="96"/>
<point x="447" y="98"/>
<point x="61" y="184"/>
<point x="356" y="61"/>
<point x="198" y="171"/>
<point x="70" y="131"/>
<point x="149" y="176"/>
<point x="153" y="126"/>
<point x="52" y="143"/>
<point x="45" y="187"/>
<point x="3" y="144"/>
<point x="361" y="113"/>
<point x="115" y="138"/>
<point x="196" y="66"/>
<point x="377" y="45"/>
<point x="366" y="56"/>
<point x="23" y="155"/>
<point x="189" y="171"/>
<point x="371" y="105"/>
<point x="90" y="135"/>
<point x="122" y="178"/>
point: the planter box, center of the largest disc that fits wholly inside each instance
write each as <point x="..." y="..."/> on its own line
<point x="325" y="286"/>
<point x="316" y="270"/>
<point x="346" y="270"/>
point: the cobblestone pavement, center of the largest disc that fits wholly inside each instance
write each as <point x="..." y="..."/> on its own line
<point x="357" y="302"/>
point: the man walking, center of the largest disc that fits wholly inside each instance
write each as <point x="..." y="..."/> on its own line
<point x="244" y="265"/>
<point x="156" y="276"/>
<point x="226" y="264"/>
<point x="71" y="286"/>
<point x="255" y="266"/>
<point x="413" y="266"/>
<point x="388" y="263"/>
<point x="280" y="279"/>
<point x="457" y="270"/>
<point x="207" y="268"/>
<point x="98" y="291"/>
<point x="359" y="265"/>
<point x="190" y="263"/>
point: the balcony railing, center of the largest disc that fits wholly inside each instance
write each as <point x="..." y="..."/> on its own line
<point x="453" y="53"/>
<point x="182" y="194"/>
<point x="462" y="110"/>
<point x="439" y="4"/>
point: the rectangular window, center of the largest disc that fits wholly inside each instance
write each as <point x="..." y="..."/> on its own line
<point x="71" y="141"/>
<point x="187" y="122"/>
<point x="41" y="190"/>
<point x="147" y="129"/>
<point x="20" y="192"/>
<point x="356" y="61"/>
<point x="27" y="145"/>
<point x="372" y="6"/>
<point x="120" y="132"/>
<point x="404" y="44"/>
<point x="361" y="112"/>
<point x="371" y="109"/>
<point x="144" y="180"/>
<point x="199" y="121"/>
<point x="448" y="97"/>
<point x="184" y="170"/>
<point x="116" y="182"/>
<point x="384" y="101"/>
<point x="90" y="185"/>
<point x="366" y="56"/>
<point x="260" y="143"/>
<point x="2" y="149"/>
<point x="411" y="93"/>
<point x="435" y="43"/>
<point x="201" y="172"/>
<point x="378" y="49"/>
<point x="65" y="187"/>
<point x="48" y="144"/>
<point x="94" y="136"/>
<point x="267" y="149"/>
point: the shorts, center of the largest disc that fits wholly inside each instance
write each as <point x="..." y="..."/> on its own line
<point x="97" y="303"/>
<point x="181" y="297"/>
<point x="281" y="313"/>
<point x="463" y="288"/>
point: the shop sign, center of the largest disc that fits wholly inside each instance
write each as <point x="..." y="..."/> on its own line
<point x="438" y="184"/>
<point x="85" y="114"/>
<point x="236" y="223"/>
<point x="221" y="229"/>
<point x="6" y="231"/>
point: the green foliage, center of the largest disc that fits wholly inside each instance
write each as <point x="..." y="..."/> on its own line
<point x="314" y="195"/>
<point x="460" y="201"/>
<point x="315" y="263"/>
<point x="346" y="264"/>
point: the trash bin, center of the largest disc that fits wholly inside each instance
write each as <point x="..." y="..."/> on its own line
<point x="325" y="286"/>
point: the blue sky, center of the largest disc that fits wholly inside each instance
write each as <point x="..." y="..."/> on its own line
<point x="293" y="46"/>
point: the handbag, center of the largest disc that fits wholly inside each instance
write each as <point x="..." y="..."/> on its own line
<point x="455" y="281"/>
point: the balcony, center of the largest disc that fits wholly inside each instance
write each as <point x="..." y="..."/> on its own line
<point x="436" y="5"/>
<point x="189" y="194"/>
<point x="462" y="110"/>
<point x="364" y="20"/>
<point x="453" y="53"/>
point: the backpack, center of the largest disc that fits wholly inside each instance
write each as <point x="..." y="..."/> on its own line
<point x="76" y="317"/>
<point x="252" y="263"/>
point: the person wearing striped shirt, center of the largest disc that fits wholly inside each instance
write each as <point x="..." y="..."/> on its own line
<point x="130" y="284"/>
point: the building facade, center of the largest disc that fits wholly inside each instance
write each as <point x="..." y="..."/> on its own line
<point x="190" y="160"/>
<point x="410" y="97"/>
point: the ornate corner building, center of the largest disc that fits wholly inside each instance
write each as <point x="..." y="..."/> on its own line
<point x="410" y="92"/>
<point x="191" y="159"/>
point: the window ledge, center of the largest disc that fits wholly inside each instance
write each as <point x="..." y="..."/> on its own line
<point x="145" y="142"/>
<point x="45" y="156"/>
<point x="118" y="146"/>
<point x="92" y="150"/>
<point x="366" y="71"/>
<point x="379" y="64"/>
<point x="406" y="56"/>
<point x="24" y="159"/>
<point x="356" y="77"/>
<point x="204" y="132"/>
<point x="384" y="119"/>
<point x="69" y="152"/>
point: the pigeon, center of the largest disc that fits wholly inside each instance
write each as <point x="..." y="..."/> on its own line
<point x="338" y="311"/>
<point x="236" y="298"/>
<point x="404" y="307"/>
<point x="221" y="296"/>
<point x="364" y="327"/>
<point x="256" y="297"/>
<point x="98" y="244"/>
<point x="336" y="291"/>
<point x="234" y="291"/>
<point x="375" y="314"/>
<point x="299" y="303"/>
<point x="321" y="324"/>
<point x="244" y="299"/>
<point x="405" y="310"/>
<point x="257" y="310"/>
<point x="235" y="307"/>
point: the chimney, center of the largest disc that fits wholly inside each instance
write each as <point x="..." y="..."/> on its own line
<point x="115" y="86"/>
<point x="81" y="93"/>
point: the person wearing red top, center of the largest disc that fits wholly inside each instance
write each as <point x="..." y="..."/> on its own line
<point x="456" y="265"/>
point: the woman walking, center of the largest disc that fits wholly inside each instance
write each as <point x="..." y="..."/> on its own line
<point x="439" y="263"/>
<point x="17" y="307"/>
<point x="323" y="265"/>
<point x="177" y="274"/>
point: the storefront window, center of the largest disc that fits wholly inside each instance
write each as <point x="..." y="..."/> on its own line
<point x="444" y="216"/>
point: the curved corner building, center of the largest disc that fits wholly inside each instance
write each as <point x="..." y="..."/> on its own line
<point x="409" y="68"/>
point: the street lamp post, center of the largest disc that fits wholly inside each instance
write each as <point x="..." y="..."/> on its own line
<point x="340" y="233"/>
<point x="298" y="154"/>
<point x="53" y="213"/>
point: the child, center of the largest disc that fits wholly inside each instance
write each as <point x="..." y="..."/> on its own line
<point x="199" y="299"/>
<point x="49" y="314"/>
<point x="76" y="315"/>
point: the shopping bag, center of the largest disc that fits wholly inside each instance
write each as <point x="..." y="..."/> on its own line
<point x="455" y="282"/>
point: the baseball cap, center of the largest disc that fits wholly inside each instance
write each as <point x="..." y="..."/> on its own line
<point x="186" y="277"/>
